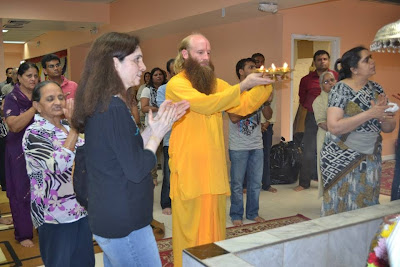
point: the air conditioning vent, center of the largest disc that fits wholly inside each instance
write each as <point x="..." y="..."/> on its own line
<point x="15" y="21"/>
<point x="13" y="26"/>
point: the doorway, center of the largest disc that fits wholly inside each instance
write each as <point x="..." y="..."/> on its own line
<point x="303" y="49"/>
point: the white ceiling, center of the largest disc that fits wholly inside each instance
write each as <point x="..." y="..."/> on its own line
<point x="239" y="12"/>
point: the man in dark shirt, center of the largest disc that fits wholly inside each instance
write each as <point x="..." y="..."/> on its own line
<point x="8" y="76"/>
<point x="309" y="90"/>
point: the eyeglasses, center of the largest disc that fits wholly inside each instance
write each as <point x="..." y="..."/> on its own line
<point x="330" y="80"/>
<point x="54" y="66"/>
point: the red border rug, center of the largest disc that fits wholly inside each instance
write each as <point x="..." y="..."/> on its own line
<point x="387" y="177"/>
<point x="165" y="245"/>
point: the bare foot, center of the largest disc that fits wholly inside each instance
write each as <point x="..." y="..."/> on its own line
<point x="259" y="219"/>
<point x="237" y="222"/>
<point x="6" y="221"/>
<point x="272" y="189"/>
<point x="167" y="211"/>
<point x="244" y="190"/>
<point x="299" y="188"/>
<point x="27" y="243"/>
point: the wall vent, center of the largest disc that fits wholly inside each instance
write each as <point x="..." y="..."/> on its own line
<point x="13" y="26"/>
<point x="16" y="21"/>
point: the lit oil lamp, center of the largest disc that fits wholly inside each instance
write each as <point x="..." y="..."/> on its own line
<point x="285" y="67"/>
<point x="273" y="68"/>
<point x="273" y="71"/>
<point x="263" y="70"/>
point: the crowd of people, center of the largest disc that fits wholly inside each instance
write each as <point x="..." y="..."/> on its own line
<point x="178" y="114"/>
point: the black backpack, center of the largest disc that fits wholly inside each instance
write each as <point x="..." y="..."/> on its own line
<point x="285" y="162"/>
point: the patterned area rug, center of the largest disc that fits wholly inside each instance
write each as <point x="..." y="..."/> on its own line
<point x="165" y="245"/>
<point x="387" y="177"/>
<point x="13" y="254"/>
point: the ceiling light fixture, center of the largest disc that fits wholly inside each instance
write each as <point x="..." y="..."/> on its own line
<point x="13" y="42"/>
<point x="387" y="38"/>
<point x="268" y="7"/>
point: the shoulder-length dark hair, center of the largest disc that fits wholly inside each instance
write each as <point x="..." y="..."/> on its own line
<point x="349" y="60"/>
<point x="100" y="80"/>
<point x="24" y="67"/>
<point x="151" y="84"/>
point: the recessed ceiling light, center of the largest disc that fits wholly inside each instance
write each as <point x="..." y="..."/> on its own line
<point x="5" y="30"/>
<point x="13" y="42"/>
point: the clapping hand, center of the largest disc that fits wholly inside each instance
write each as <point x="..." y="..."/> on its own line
<point x="69" y="109"/>
<point x="181" y="108"/>
<point x="167" y="114"/>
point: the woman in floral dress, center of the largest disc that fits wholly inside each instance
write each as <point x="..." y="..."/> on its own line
<point x="49" y="146"/>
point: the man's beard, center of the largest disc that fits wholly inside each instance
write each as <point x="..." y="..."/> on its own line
<point x="202" y="77"/>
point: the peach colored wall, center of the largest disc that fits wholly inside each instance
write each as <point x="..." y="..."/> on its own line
<point x="76" y="60"/>
<point x="13" y="54"/>
<point x="12" y="59"/>
<point x="355" y="22"/>
<point x="147" y="13"/>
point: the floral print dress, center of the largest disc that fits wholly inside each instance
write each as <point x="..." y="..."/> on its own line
<point x="49" y="167"/>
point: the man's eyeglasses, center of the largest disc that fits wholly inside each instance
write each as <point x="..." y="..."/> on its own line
<point x="330" y="80"/>
<point x="51" y="66"/>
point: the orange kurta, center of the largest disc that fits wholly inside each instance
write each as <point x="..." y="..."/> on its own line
<point x="197" y="153"/>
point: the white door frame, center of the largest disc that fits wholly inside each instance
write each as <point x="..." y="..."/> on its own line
<point x="335" y="54"/>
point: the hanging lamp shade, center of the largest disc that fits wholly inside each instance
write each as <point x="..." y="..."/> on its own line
<point x="387" y="38"/>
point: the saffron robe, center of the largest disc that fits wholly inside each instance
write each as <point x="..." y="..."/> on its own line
<point x="197" y="158"/>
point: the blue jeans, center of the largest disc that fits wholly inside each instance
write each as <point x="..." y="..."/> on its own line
<point x="267" y="143"/>
<point x="242" y="162"/>
<point x="139" y="248"/>
<point x="165" y="199"/>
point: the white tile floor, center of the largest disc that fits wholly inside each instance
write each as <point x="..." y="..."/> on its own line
<point x="286" y="202"/>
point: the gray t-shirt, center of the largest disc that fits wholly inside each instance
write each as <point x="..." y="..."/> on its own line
<point x="246" y="134"/>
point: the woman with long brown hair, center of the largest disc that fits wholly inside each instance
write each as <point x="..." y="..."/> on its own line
<point x="118" y="158"/>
